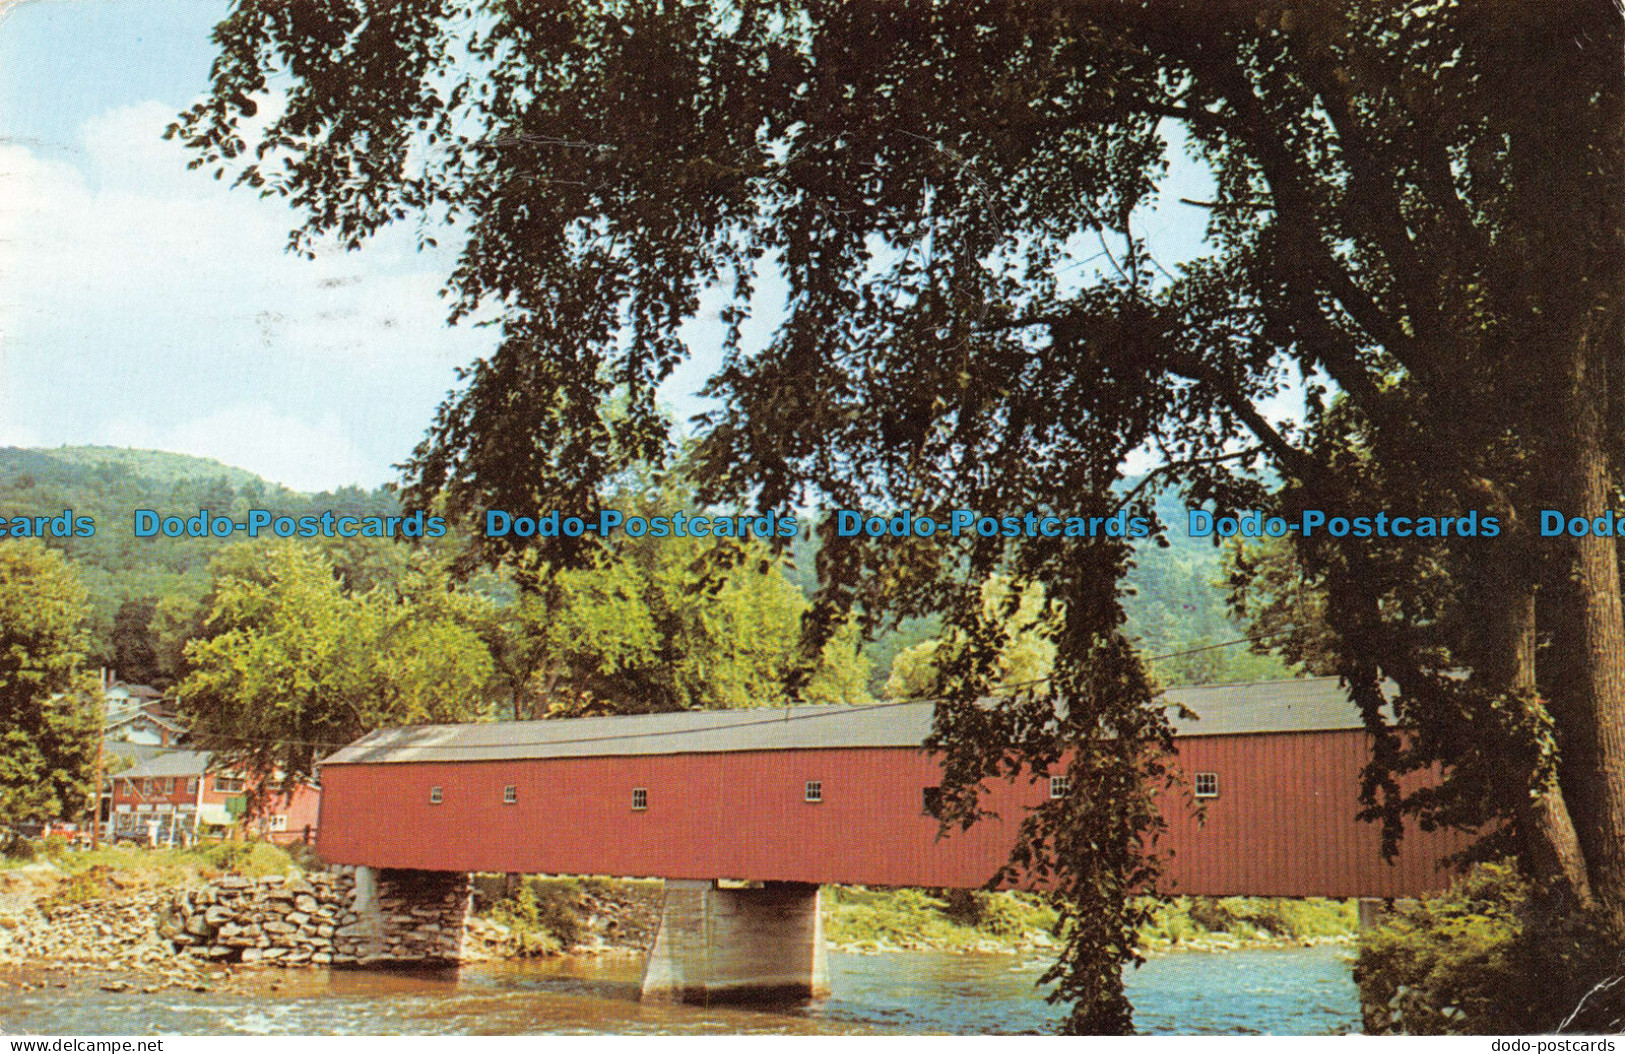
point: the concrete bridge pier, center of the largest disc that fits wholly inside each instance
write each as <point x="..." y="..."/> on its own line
<point x="738" y="945"/>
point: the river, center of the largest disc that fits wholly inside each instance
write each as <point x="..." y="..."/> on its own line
<point x="1295" y="991"/>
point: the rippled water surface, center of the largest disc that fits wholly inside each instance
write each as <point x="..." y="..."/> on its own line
<point x="1295" y="991"/>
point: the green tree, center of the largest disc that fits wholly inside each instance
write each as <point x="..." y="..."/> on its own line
<point x="290" y="666"/>
<point x="1396" y="216"/>
<point x="135" y="655"/>
<point x="1025" y="657"/>
<point x="49" y="713"/>
<point x="666" y="624"/>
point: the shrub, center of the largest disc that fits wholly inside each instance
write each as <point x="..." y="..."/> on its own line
<point x="1487" y="957"/>
<point x="542" y="914"/>
<point x="1211" y="914"/>
<point x="558" y="908"/>
<point x="225" y="856"/>
<point x="81" y="888"/>
<point x="16" y="847"/>
<point x="254" y="859"/>
<point x="968" y="907"/>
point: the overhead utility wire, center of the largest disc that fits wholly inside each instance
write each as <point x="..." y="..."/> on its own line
<point x="832" y="711"/>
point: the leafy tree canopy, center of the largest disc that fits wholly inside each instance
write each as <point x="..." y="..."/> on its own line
<point x="666" y="624"/>
<point x="49" y="713"/>
<point x="1025" y="657"/>
<point x="288" y="665"/>
<point x="1400" y="225"/>
<point x="128" y="578"/>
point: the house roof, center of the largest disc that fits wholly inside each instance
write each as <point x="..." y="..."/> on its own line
<point x="144" y="715"/>
<point x="140" y="691"/>
<point x="1315" y="704"/>
<point x="169" y="763"/>
<point x="123" y="748"/>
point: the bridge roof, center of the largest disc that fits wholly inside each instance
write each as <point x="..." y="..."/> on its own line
<point x="1307" y="705"/>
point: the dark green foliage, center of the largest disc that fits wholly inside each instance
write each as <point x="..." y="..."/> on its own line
<point x="651" y="624"/>
<point x="49" y="710"/>
<point x="1489" y="958"/>
<point x="14" y="846"/>
<point x="966" y="906"/>
<point x="135" y="654"/>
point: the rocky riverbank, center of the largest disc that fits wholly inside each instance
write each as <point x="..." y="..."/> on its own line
<point x="114" y="934"/>
<point x="119" y="926"/>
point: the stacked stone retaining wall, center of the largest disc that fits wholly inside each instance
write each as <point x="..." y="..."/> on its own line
<point x="322" y="918"/>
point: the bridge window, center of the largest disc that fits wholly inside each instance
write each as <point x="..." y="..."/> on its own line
<point x="510" y="794"/>
<point x="1207" y="784"/>
<point x="435" y="797"/>
<point x="1057" y="786"/>
<point x="640" y="798"/>
<point x="815" y="790"/>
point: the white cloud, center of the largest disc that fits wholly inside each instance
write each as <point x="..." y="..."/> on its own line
<point x="135" y="291"/>
<point x="304" y="456"/>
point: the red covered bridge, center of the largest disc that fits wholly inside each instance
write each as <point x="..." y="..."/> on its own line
<point x="779" y="801"/>
<point x="835" y="794"/>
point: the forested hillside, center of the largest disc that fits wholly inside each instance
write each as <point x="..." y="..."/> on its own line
<point x="126" y="576"/>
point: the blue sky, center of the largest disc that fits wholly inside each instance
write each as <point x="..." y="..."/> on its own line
<point x="145" y="305"/>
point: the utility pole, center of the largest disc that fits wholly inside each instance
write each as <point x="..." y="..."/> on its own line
<point x="101" y="748"/>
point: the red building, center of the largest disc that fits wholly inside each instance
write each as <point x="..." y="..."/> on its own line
<point x="836" y="794"/>
<point x="171" y="798"/>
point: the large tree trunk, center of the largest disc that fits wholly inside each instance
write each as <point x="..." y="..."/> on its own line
<point x="1548" y="842"/>
<point x="1593" y="721"/>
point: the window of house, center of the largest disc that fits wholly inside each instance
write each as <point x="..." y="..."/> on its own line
<point x="1207" y="784"/>
<point x="146" y="787"/>
<point x="129" y="787"/>
<point x="815" y="790"/>
<point x="279" y="822"/>
<point x="640" y="797"/>
<point x="510" y="794"/>
<point x="169" y="785"/>
<point x="930" y="800"/>
<point x="191" y="785"/>
<point x="228" y="784"/>
<point x="435" y="796"/>
<point x="1057" y="786"/>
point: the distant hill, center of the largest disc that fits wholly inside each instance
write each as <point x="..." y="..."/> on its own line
<point x="157" y="465"/>
<point x="130" y="574"/>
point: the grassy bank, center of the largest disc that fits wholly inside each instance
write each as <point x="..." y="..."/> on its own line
<point x="963" y="920"/>
<point x="1216" y="924"/>
<point x="53" y="872"/>
<point x="84" y="874"/>
<point x="862" y="919"/>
